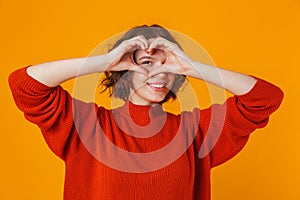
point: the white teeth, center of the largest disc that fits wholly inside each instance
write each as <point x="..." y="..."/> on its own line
<point x="157" y="85"/>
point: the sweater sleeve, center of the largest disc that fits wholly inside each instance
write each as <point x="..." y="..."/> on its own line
<point x="227" y="127"/>
<point x="48" y="107"/>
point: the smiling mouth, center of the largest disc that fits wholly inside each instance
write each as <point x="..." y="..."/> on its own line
<point x="157" y="86"/>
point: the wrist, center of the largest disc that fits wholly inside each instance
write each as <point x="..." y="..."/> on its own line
<point x="196" y="70"/>
<point x="104" y="61"/>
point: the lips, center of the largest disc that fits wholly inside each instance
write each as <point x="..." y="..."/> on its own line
<point x="157" y="86"/>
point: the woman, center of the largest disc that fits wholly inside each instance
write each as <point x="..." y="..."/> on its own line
<point x="134" y="159"/>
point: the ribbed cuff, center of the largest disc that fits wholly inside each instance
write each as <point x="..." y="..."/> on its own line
<point x="20" y="78"/>
<point x="263" y="89"/>
<point x="263" y="94"/>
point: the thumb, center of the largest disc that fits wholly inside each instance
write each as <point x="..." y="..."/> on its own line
<point x="156" y="70"/>
<point x="139" y="69"/>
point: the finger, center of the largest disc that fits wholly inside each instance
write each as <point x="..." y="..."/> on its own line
<point x="139" y="69"/>
<point x="140" y="41"/>
<point x="134" y="45"/>
<point x="133" y="66"/>
<point x="158" y="43"/>
<point x="144" y="41"/>
<point x="131" y="45"/>
<point x="161" y="43"/>
<point x="171" y="58"/>
<point x="121" y="64"/>
<point x="159" y="69"/>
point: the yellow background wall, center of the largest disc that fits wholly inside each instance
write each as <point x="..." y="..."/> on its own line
<point x="251" y="36"/>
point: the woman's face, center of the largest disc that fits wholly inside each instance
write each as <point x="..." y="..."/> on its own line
<point x="150" y="90"/>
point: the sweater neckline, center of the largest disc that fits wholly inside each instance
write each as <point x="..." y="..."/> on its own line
<point x="141" y="112"/>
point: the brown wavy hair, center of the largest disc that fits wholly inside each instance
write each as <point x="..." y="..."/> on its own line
<point x="119" y="82"/>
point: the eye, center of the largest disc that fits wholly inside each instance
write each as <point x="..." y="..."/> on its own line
<point x="146" y="63"/>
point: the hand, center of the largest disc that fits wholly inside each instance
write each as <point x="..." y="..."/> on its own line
<point x="177" y="61"/>
<point x="121" y="58"/>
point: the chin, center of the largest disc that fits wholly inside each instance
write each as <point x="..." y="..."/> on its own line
<point x="158" y="99"/>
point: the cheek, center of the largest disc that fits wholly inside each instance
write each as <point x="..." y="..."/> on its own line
<point x="138" y="79"/>
<point x="171" y="78"/>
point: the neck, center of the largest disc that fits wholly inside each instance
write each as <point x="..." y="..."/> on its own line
<point x="144" y="112"/>
<point x="143" y="103"/>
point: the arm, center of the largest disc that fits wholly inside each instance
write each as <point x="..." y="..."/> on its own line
<point x="37" y="93"/>
<point x="56" y="72"/>
<point x="234" y="82"/>
<point x="224" y="129"/>
<point x="50" y="108"/>
<point x="240" y="115"/>
<point x="119" y="59"/>
<point x="179" y="63"/>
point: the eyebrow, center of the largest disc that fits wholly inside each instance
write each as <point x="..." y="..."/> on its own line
<point x="149" y="57"/>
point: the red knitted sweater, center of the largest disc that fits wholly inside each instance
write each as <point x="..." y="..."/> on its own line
<point x="141" y="152"/>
